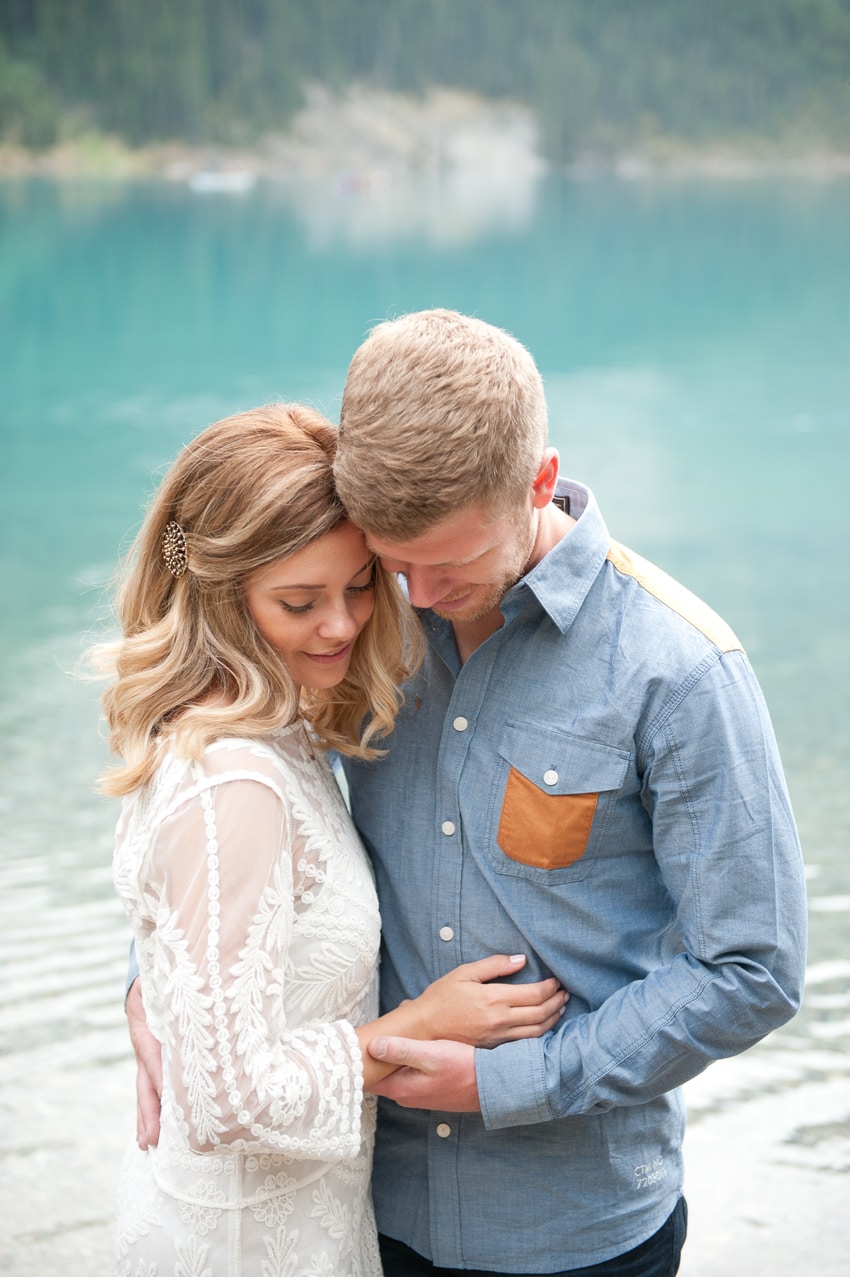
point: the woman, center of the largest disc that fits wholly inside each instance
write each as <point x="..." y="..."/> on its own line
<point x="259" y="631"/>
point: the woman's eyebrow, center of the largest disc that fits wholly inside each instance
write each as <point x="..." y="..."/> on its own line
<point x="305" y="586"/>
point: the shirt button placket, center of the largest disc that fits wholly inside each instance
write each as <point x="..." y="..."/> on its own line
<point x="444" y="1131"/>
<point x="447" y="933"/>
<point x="448" y="828"/>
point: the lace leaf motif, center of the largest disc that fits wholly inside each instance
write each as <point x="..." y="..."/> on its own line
<point x="330" y="971"/>
<point x="331" y="1213"/>
<point x="192" y="1259"/>
<point x="189" y="1006"/>
<point x="254" y="974"/>
<point x="281" y="1256"/>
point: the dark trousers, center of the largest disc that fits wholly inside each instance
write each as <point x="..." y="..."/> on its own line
<point x="658" y="1256"/>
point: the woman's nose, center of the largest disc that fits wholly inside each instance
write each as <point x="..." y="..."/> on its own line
<point x="339" y="622"/>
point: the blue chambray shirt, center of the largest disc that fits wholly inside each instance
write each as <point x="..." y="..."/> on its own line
<point x="597" y="787"/>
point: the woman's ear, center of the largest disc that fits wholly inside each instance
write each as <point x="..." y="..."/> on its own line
<point x="543" y="486"/>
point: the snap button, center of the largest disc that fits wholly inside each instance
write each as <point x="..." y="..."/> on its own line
<point x="550" y="777"/>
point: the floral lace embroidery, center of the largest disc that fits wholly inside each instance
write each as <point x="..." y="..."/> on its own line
<point x="256" y="926"/>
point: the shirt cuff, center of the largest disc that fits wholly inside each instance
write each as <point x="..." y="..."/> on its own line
<point x="512" y="1084"/>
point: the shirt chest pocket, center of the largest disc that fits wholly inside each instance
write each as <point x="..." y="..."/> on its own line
<point x="556" y="793"/>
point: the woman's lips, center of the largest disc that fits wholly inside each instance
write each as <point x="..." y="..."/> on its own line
<point x="328" y="658"/>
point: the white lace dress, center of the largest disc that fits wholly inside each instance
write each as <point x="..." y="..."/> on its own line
<point x="257" y="930"/>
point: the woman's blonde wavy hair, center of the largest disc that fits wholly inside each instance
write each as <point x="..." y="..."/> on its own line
<point x="247" y="491"/>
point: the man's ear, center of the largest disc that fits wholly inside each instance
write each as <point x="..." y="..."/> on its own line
<point x="543" y="486"/>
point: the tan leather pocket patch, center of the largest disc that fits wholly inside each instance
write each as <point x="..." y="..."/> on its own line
<point x="549" y="831"/>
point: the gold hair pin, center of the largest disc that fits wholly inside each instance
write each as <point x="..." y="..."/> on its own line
<point x="174" y="548"/>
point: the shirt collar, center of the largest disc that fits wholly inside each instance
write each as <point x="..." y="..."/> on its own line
<point x="562" y="578"/>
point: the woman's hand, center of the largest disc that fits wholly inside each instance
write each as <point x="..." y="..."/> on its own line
<point x="467" y="1006"/>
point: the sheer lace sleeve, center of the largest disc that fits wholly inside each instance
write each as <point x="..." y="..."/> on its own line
<point x="239" y="1065"/>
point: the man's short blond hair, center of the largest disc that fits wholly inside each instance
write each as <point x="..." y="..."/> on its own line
<point x="440" y="411"/>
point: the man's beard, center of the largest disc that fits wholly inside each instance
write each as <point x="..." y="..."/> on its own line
<point x="493" y="592"/>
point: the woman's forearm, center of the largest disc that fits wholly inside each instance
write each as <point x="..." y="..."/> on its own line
<point x="406" y="1021"/>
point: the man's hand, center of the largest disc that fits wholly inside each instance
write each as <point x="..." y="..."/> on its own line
<point x="431" y="1075"/>
<point x="149" y="1069"/>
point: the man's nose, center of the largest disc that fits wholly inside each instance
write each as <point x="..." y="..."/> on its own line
<point x="425" y="586"/>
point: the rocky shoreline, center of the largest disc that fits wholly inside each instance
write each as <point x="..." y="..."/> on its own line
<point x="366" y="138"/>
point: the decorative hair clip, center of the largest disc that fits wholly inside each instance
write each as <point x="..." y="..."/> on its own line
<point x="174" y="548"/>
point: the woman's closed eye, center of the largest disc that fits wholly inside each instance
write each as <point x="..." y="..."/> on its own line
<point x="297" y="609"/>
<point x="293" y="610"/>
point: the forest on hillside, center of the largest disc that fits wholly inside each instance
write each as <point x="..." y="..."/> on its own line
<point x="601" y="74"/>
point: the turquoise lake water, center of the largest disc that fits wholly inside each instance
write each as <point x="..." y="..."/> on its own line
<point x="695" y="344"/>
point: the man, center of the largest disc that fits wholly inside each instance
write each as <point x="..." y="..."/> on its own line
<point x="583" y="771"/>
